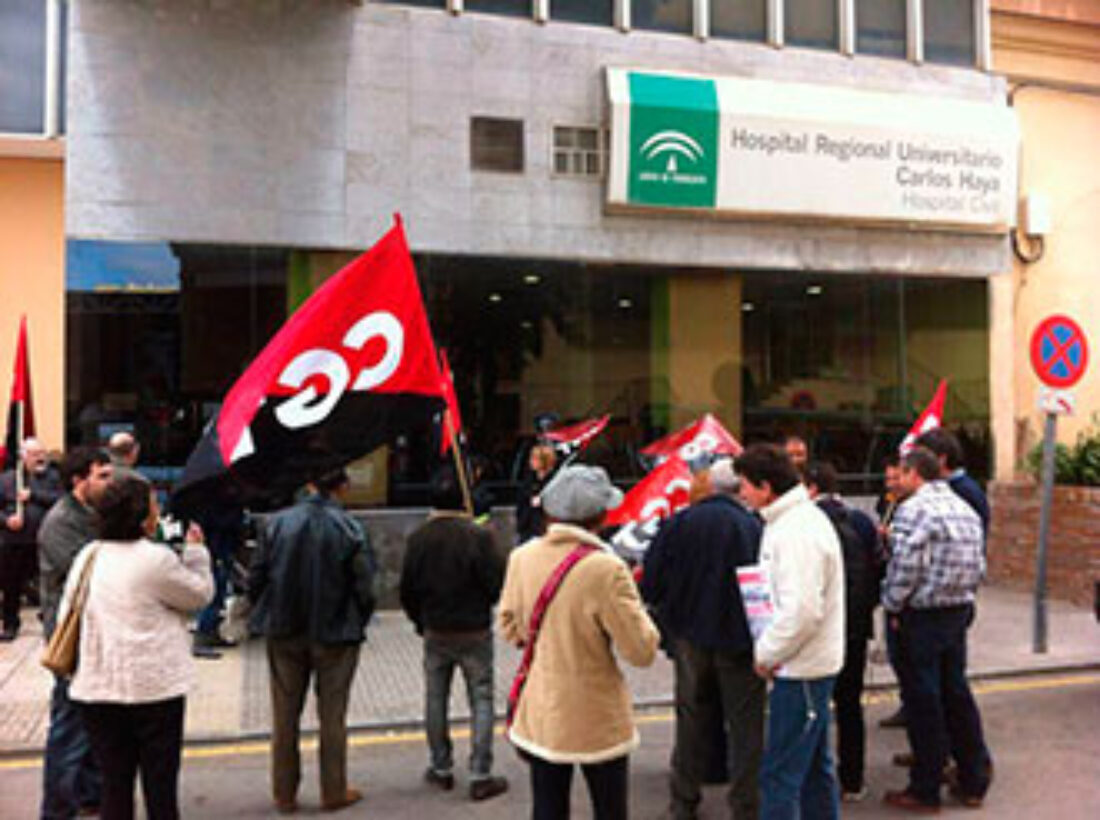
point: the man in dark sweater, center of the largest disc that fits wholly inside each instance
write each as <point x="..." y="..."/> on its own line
<point x="690" y="579"/>
<point x="451" y="577"/>
<point x="70" y="776"/>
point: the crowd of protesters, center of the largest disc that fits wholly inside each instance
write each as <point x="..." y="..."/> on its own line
<point x="760" y="694"/>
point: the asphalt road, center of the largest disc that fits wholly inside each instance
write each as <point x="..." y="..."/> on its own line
<point x="1044" y="733"/>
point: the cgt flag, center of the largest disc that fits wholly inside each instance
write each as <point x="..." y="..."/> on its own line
<point x="352" y="367"/>
<point x="930" y="419"/>
<point x="663" y="492"/>
<point x="570" y="440"/>
<point x="21" y="409"/>
<point x="703" y="437"/>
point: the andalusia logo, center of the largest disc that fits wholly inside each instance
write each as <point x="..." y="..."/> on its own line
<point x="673" y="141"/>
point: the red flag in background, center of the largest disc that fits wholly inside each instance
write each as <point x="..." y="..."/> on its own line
<point x="354" y="366"/>
<point x="702" y="437"/>
<point x="575" y="437"/>
<point x="930" y="419"/>
<point x="662" y="492"/>
<point x="21" y="408"/>
<point x="452" y="418"/>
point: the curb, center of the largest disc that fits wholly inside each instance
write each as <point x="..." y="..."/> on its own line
<point x="642" y="704"/>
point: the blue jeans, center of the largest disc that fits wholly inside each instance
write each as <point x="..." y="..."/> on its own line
<point x="221" y="566"/>
<point x="796" y="777"/>
<point x="70" y="775"/>
<point x="474" y="656"/>
<point x="943" y="717"/>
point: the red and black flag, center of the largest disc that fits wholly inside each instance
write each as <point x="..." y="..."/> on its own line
<point x="21" y="408"/>
<point x="354" y="366"/>
<point x="570" y="440"/>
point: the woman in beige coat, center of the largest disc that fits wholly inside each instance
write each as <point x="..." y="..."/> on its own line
<point x="575" y="707"/>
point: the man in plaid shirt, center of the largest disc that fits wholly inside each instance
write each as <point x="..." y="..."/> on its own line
<point x="936" y="565"/>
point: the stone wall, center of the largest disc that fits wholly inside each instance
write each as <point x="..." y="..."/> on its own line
<point x="1073" y="554"/>
<point x="389" y="530"/>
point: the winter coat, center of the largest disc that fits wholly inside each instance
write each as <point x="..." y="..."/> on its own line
<point x="576" y="707"/>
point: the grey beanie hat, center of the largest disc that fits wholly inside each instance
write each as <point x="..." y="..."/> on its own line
<point x="580" y="493"/>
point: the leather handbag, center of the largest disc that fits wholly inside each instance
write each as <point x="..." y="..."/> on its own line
<point x="60" y="654"/>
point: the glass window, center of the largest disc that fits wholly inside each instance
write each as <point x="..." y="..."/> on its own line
<point x="436" y="4"/>
<point x="597" y="12"/>
<point x="949" y="35"/>
<point x="849" y="361"/>
<point x="496" y="144"/>
<point x="810" y="23"/>
<point x="22" y="66"/>
<point x="580" y="151"/>
<point x="157" y="332"/>
<point x="739" y="19"/>
<point x="512" y="8"/>
<point x="662" y="15"/>
<point x="881" y="27"/>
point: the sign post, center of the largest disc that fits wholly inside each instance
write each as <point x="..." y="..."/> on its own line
<point x="1059" y="355"/>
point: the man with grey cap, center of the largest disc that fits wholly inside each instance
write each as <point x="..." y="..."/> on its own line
<point x="690" y="579"/>
<point x="574" y="706"/>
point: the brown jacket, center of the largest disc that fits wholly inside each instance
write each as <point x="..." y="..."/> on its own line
<point x="576" y="707"/>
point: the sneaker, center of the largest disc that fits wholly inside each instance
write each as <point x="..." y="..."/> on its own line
<point x="853" y="797"/>
<point x="487" y="787"/>
<point x="906" y="801"/>
<point x="444" y="782"/>
<point x="350" y="796"/>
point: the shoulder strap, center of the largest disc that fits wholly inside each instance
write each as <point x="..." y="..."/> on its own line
<point x="546" y="594"/>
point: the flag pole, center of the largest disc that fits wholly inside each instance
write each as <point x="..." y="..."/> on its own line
<point x="463" y="480"/>
<point x="20" y="409"/>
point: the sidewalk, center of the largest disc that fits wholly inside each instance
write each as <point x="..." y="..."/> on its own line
<point x="232" y="702"/>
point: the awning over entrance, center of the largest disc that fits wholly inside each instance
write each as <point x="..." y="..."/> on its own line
<point x="757" y="148"/>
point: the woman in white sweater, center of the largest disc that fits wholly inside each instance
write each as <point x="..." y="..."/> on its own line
<point x="135" y="663"/>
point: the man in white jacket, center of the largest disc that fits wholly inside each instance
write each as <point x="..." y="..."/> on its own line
<point x="802" y="648"/>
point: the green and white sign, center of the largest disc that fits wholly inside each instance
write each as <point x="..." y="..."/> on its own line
<point x="757" y="148"/>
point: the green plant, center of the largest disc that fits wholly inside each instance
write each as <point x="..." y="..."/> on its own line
<point x="1077" y="465"/>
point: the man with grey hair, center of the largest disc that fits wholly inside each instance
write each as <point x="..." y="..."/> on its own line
<point x="24" y="505"/>
<point x="690" y="579"/>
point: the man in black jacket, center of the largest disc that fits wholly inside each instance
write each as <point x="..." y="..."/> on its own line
<point x="690" y="578"/>
<point x="450" y="580"/>
<point x="946" y="447"/>
<point x="862" y="580"/>
<point x="311" y="588"/>
<point x="23" y="509"/>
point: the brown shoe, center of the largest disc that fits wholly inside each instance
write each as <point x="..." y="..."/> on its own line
<point x="904" y="759"/>
<point x="350" y="796"/>
<point x="906" y="801"/>
<point x="286" y="806"/>
<point x="970" y="801"/>
<point x="487" y="787"/>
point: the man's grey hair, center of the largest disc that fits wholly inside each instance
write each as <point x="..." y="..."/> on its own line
<point x="723" y="479"/>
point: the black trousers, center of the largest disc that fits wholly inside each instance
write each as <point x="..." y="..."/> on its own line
<point x="717" y="688"/>
<point x="128" y="738"/>
<point x="551" y="783"/>
<point x="851" y="739"/>
<point x="17" y="565"/>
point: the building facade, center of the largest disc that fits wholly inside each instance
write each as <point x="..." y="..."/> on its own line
<point x="223" y="159"/>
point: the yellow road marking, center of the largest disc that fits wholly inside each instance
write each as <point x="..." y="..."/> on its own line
<point x="657" y="715"/>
